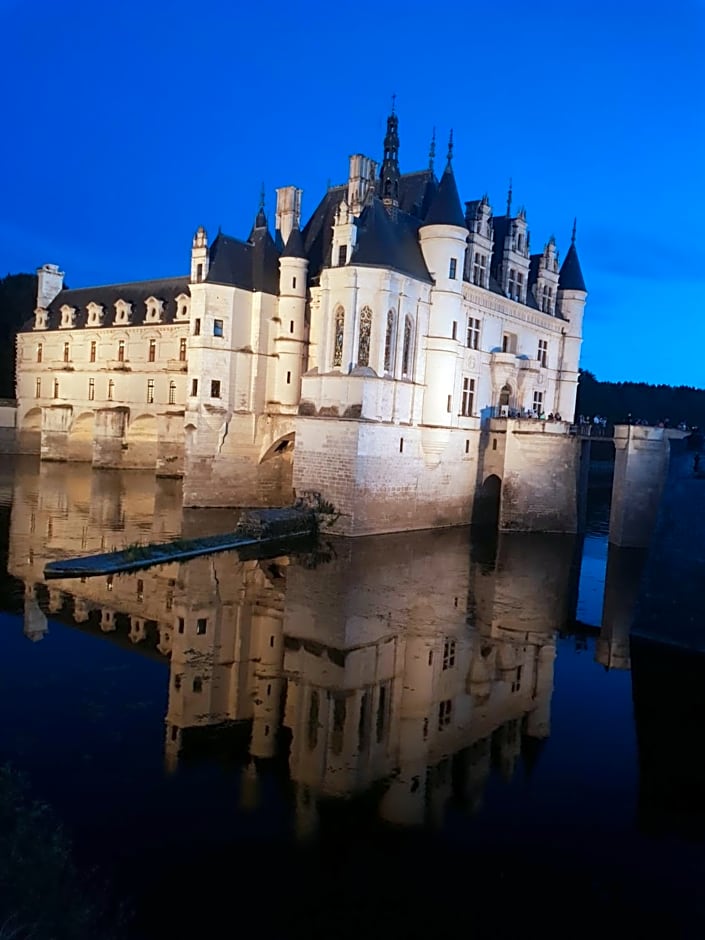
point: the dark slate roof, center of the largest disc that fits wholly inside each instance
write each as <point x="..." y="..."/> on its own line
<point x="500" y="225"/>
<point x="416" y="192"/>
<point x="294" y="245"/>
<point x="135" y="293"/>
<point x="534" y="263"/>
<point x="445" y="208"/>
<point x="570" y="276"/>
<point x="318" y="231"/>
<point x="251" y="265"/>
<point x="384" y="242"/>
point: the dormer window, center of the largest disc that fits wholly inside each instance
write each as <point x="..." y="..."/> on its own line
<point x="520" y="242"/>
<point x="95" y="314"/>
<point x="342" y="254"/>
<point x="154" y="310"/>
<point x="182" y="306"/>
<point x="123" y="312"/>
<point x="68" y="317"/>
<point x="41" y="317"/>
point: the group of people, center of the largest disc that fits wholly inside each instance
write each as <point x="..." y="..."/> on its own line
<point x="534" y="415"/>
<point x="596" y="426"/>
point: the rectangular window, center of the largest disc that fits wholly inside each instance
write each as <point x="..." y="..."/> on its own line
<point x="520" y="287"/>
<point x="509" y="342"/>
<point x="473" y="337"/>
<point x="111" y="389"/>
<point x="293" y="282"/>
<point x="453" y="268"/>
<point x="291" y="326"/>
<point x="468" y="399"/>
<point x="152" y="350"/>
<point x="56" y="388"/>
<point x="197" y="326"/>
<point x="445" y="710"/>
<point x="150" y="391"/>
<point x="511" y="284"/>
<point x="38" y="389"/>
<point x="288" y="378"/>
<point x="91" y="389"/>
<point x="217" y="328"/>
<point x="181" y="624"/>
<point x="479" y="270"/>
<point x="449" y="406"/>
<point x="140" y="589"/>
<point x="40" y="350"/>
<point x="182" y="349"/>
<point x="538" y="403"/>
<point x="121" y="351"/>
<point x="201" y="626"/>
<point x="543" y="352"/>
<point x="67" y="352"/>
<point x="172" y="393"/>
<point x="197" y="684"/>
<point x="215" y="388"/>
<point x="194" y="386"/>
<point x="93" y="349"/>
<point x="454" y="331"/>
<point x="342" y="254"/>
<point x="449" y="654"/>
<point x="401" y="445"/>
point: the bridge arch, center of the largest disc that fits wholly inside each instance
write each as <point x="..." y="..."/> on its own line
<point x="487" y="504"/>
<point x="30" y="432"/>
<point x="283" y="445"/>
<point x="141" y="440"/>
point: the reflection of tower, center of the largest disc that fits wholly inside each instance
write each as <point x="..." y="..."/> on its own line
<point x="624" y="570"/>
<point x="35" y="621"/>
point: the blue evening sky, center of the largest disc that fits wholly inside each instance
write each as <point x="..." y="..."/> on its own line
<point x="127" y="125"/>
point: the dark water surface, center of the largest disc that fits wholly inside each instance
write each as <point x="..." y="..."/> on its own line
<point x="430" y="734"/>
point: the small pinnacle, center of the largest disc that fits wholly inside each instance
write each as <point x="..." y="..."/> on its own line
<point x="509" y="199"/>
<point x="450" y="147"/>
<point x="432" y="150"/>
<point x="575" y="225"/>
<point x="261" y="197"/>
<point x="394" y="103"/>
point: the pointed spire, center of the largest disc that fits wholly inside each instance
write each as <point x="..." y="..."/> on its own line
<point x="575" y="226"/>
<point x="432" y="150"/>
<point x="509" y="199"/>
<point x="450" y="147"/>
<point x="294" y="245"/>
<point x="394" y="102"/>
<point x="389" y="171"/>
<point x="261" y="220"/>
<point x="445" y="209"/>
<point x="570" y="276"/>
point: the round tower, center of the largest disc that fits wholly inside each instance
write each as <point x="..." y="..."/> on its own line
<point x="570" y="306"/>
<point x="289" y="343"/>
<point x="443" y="237"/>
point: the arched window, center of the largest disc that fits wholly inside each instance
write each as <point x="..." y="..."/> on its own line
<point x="505" y="395"/>
<point x="389" y="342"/>
<point x="406" y="352"/>
<point x="338" y="340"/>
<point x="363" y="348"/>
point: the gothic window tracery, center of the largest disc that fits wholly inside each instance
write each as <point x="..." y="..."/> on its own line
<point x="389" y="342"/>
<point x="406" y="352"/>
<point x="338" y="338"/>
<point x="363" y="349"/>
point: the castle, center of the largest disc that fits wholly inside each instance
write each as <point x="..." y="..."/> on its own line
<point x="384" y="355"/>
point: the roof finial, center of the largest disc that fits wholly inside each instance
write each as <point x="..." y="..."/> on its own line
<point x="394" y="103"/>
<point x="450" y="147"/>
<point x="261" y="197"/>
<point x="575" y="225"/>
<point x="432" y="150"/>
<point x="509" y="199"/>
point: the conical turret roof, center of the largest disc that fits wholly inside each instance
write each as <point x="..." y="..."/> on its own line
<point x="294" y="245"/>
<point x="445" y="208"/>
<point x="570" y="276"/>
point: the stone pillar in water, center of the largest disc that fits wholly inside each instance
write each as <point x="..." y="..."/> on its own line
<point x="641" y="465"/>
<point x="110" y="425"/>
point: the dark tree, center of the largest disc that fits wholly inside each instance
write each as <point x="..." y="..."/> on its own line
<point x="18" y="294"/>
<point x="617" y="401"/>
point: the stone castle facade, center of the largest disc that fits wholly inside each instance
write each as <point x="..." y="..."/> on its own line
<point x="382" y="355"/>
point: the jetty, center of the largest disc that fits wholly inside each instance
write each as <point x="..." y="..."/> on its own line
<point x="259" y="533"/>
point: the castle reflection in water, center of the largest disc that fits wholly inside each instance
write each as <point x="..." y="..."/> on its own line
<point x="417" y="662"/>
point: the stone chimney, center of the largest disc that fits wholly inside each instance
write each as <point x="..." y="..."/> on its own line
<point x="50" y="282"/>
<point x="360" y="181"/>
<point x="288" y="214"/>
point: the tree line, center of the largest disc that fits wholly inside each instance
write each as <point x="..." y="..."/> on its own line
<point x="18" y="298"/>
<point x="621" y="402"/>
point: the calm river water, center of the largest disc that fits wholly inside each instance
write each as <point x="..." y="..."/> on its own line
<point x="430" y="734"/>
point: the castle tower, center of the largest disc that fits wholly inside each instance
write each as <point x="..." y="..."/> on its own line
<point x="199" y="256"/>
<point x="443" y="238"/>
<point x="290" y="342"/>
<point x="510" y="263"/>
<point x="571" y="295"/>
<point x="478" y="218"/>
<point x="545" y="277"/>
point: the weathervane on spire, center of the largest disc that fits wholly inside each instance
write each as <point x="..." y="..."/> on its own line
<point x="261" y="197"/>
<point x="394" y="103"/>
<point x="450" y="147"/>
<point x="509" y="199"/>
<point x="575" y="225"/>
<point x="432" y="150"/>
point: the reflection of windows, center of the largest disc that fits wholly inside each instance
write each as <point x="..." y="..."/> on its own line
<point x="67" y="352"/>
<point x="363" y="350"/>
<point x="111" y="389"/>
<point x="152" y="350"/>
<point x="121" y="350"/>
<point x="449" y="654"/>
<point x="150" y="391"/>
<point x="339" y="711"/>
<point x="363" y="730"/>
<point x="197" y="684"/>
<point x="40" y="350"/>
<point x="182" y="349"/>
<point x="382" y="712"/>
<point x="201" y="626"/>
<point x="93" y="349"/>
<point x="140" y="589"/>
<point x="445" y="710"/>
<point x="38" y="389"/>
<point x="338" y="339"/>
<point x="313" y="709"/>
<point x="56" y="388"/>
<point x="516" y="684"/>
<point x="91" y="389"/>
<point x="181" y="624"/>
<point x="172" y="393"/>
